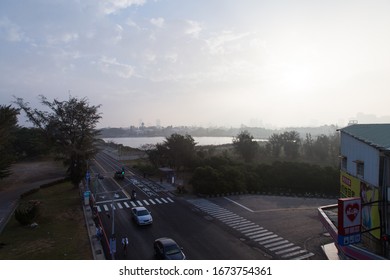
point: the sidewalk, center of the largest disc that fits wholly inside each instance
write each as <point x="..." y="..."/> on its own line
<point x="96" y="246"/>
<point x="331" y="252"/>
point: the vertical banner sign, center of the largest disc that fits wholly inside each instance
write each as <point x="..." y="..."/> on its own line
<point x="349" y="220"/>
<point x="354" y="187"/>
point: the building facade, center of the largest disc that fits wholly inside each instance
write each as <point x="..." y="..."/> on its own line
<point x="364" y="173"/>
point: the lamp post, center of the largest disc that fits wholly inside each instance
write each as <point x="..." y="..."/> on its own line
<point x="113" y="239"/>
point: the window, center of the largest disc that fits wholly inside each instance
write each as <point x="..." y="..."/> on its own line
<point x="360" y="168"/>
<point x="344" y="162"/>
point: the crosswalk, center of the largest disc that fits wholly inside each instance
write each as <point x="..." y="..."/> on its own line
<point x="268" y="240"/>
<point x="105" y="206"/>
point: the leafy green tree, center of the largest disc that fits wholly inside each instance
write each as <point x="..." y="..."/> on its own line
<point x="180" y="150"/>
<point x="243" y="144"/>
<point x="30" y="142"/>
<point x="321" y="147"/>
<point x="8" y="127"/>
<point x="70" y="127"/>
<point x="275" y="144"/>
<point x="205" y="179"/>
<point x="157" y="154"/>
<point x="308" y="146"/>
<point x="291" y="144"/>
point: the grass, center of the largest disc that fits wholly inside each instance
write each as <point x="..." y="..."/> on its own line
<point x="61" y="233"/>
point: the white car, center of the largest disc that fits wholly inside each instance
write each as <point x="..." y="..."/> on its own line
<point x="141" y="215"/>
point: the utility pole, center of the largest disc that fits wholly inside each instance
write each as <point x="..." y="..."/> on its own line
<point x="113" y="239"/>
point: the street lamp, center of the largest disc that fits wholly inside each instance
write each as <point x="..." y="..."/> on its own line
<point x="113" y="239"/>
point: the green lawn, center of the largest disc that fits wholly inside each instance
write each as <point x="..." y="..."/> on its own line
<point x="61" y="233"/>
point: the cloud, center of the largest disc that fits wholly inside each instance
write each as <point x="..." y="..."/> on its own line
<point x="113" y="6"/>
<point x="225" y="42"/>
<point x="118" y="31"/>
<point x="111" y="65"/>
<point x="66" y="38"/>
<point x="194" y="28"/>
<point x="172" y="57"/>
<point x="12" y="31"/>
<point x="159" y="22"/>
<point x="132" y="23"/>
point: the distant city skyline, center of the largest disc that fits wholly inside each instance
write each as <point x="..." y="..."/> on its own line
<point x="229" y="63"/>
<point x="360" y="118"/>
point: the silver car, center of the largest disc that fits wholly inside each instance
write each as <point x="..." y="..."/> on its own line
<point x="141" y="215"/>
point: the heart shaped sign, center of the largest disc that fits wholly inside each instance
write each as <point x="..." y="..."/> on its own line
<point x="352" y="210"/>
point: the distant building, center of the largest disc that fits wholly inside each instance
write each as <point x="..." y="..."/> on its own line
<point x="364" y="173"/>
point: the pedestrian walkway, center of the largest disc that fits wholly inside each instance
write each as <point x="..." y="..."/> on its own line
<point x="275" y="245"/>
<point x="105" y="206"/>
<point x="96" y="246"/>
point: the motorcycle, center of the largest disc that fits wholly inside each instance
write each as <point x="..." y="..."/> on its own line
<point x="133" y="195"/>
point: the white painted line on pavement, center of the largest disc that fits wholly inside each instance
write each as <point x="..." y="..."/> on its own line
<point x="246" y="208"/>
<point x="287" y="250"/>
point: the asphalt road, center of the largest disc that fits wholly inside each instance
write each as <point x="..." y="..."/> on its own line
<point x="236" y="227"/>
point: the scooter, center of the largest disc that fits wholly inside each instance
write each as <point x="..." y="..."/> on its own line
<point x="133" y="195"/>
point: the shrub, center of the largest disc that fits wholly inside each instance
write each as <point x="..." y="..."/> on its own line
<point x="27" y="212"/>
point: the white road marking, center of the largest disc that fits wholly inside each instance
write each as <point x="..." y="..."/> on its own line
<point x="246" y="208"/>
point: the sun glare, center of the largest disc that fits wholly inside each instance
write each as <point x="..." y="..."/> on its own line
<point x="297" y="78"/>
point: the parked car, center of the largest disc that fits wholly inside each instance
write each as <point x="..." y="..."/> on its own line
<point x="167" y="249"/>
<point x="141" y="215"/>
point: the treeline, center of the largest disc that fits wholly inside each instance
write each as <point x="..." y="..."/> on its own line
<point x="67" y="132"/>
<point x="17" y="143"/>
<point x="281" y="165"/>
<point x="322" y="149"/>
<point x="280" y="178"/>
<point x="257" y="132"/>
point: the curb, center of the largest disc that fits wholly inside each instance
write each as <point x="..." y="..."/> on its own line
<point x="96" y="246"/>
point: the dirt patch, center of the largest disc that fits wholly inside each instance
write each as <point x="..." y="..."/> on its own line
<point x="26" y="173"/>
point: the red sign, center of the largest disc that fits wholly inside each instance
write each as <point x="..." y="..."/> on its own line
<point x="349" y="220"/>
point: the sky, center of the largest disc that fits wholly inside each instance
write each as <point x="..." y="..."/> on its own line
<point x="201" y="62"/>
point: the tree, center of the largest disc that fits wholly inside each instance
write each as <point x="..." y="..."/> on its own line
<point x="30" y="142"/>
<point x="321" y="147"/>
<point x="243" y="143"/>
<point x="70" y="128"/>
<point x="291" y="144"/>
<point x="176" y="151"/>
<point x="275" y="144"/>
<point x="157" y="154"/>
<point x="8" y="126"/>
<point x="308" y="146"/>
<point x="180" y="150"/>
<point x="205" y="180"/>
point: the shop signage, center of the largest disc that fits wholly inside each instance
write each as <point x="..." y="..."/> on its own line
<point x="349" y="220"/>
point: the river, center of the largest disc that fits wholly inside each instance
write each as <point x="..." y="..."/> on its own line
<point x="137" y="142"/>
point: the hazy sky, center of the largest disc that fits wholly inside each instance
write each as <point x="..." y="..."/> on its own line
<point x="210" y="63"/>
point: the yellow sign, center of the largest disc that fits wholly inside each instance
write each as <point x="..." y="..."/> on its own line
<point x="350" y="187"/>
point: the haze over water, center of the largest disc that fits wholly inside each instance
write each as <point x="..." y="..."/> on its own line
<point x="137" y="142"/>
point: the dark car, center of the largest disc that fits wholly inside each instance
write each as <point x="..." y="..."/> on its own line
<point x="167" y="249"/>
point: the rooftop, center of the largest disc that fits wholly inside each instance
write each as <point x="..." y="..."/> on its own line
<point x="376" y="135"/>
